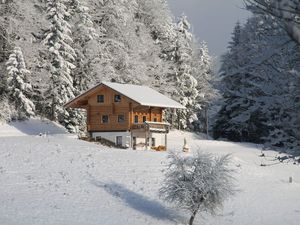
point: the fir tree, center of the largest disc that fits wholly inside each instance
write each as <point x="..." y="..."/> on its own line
<point x="62" y="56"/>
<point x="81" y="43"/>
<point x="85" y="36"/>
<point x="258" y="75"/>
<point x="185" y="82"/>
<point x="241" y="118"/>
<point x="206" y="80"/>
<point x="18" y="87"/>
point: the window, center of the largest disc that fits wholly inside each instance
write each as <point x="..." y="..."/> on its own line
<point x="100" y="98"/>
<point x="117" y="98"/>
<point x="144" y="119"/>
<point x="104" y="119"/>
<point x="121" y="118"/>
<point x="136" y="119"/>
<point x="155" y="119"/>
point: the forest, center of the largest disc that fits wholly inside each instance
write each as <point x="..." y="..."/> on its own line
<point x="53" y="50"/>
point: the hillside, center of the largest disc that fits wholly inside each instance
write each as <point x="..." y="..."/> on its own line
<point x="52" y="51"/>
<point x="58" y="180"/>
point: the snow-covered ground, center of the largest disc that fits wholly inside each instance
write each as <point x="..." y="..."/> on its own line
<point x="56" y="179"/>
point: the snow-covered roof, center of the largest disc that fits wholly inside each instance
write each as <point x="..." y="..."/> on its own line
<point x="144" y="95"/>
<point x="140" y="94"/>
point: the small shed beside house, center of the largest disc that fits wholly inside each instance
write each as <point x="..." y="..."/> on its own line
<point x="128" y="115"/>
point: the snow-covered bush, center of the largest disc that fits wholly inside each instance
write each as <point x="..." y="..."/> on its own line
<point x="199" y="182"/>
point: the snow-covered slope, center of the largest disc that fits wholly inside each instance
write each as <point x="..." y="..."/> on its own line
<point x="63" y="181"/>
<point x="31" y="127"/>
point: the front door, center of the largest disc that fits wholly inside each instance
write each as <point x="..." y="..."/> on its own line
<point x="153" y="142"/>
<point x="134" y="143"/>
<point x="119" y="141"/>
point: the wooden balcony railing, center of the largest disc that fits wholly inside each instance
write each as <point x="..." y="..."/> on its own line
<point x="152" y="126"/>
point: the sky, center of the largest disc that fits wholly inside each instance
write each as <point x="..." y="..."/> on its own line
<point x="212" y="20"/>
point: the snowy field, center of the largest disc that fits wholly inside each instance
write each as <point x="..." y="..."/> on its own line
<point x="59" y="180"/>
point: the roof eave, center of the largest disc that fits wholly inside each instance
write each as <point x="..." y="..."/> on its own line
<point x="165" y="106"/>
<point x="69" y="104"/>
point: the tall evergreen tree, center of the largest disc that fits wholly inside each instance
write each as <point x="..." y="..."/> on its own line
<point x="185" y="82"/>
<point x="258" y="74"/>
<point x="74" y="47"/>
<point x="84" y="34"/>
<point x="18" y="87"/>
<point x="204" y="74"/>
<point x="62" y="57"/>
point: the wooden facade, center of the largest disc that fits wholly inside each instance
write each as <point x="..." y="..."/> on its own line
<point x="127" y="115"/>
<point x="132" y="112"/>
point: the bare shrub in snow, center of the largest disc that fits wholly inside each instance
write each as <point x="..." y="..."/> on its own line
<point x="200" y="182"/>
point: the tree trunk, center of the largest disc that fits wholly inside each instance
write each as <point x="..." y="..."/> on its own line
<point x="192" y="218"/>
<point x="206" y="118"/>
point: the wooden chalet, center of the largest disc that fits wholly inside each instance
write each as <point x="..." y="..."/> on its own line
<point x="128" y="115"/>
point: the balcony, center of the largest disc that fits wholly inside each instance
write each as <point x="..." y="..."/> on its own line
<point x="154" y="127"/>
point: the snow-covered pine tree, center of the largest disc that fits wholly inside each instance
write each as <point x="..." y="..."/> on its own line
<point x="135" y="42"/>
<point x="281" y="104"/>
<point x="283" y="120"/>
<point x="157" y="17"/>
<point x="84" y="35"/>
<point x="282" y="109"/>
<point x="151" y="23"/>
<point x="239" y="118"/>
<point x="229" y="63"/>
<point x="3" y="57"/>
<point x="62" y="57"/>
<point x="259" y="72"/>
<point x="127" y="50"/>
<point x="5" y="43"/>
<point x="113" y="60"/>
<point x="184" y="80"/>
<point x="18" y="85"/>
<point x="204" y="74"/>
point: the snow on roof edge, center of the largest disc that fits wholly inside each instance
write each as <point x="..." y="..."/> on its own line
<point x="156" y="99"/>
<point x="169" y="103"/>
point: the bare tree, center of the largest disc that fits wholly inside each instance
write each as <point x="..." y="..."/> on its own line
<point x="286" y="11"/>
<point x="198" y="183"/>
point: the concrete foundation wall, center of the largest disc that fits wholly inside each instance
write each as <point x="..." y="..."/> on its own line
<point x="112" y="136"/>
<point x="159" y="138"/>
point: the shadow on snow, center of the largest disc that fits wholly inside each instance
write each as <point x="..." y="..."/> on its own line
<point x="137" y="201"/>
